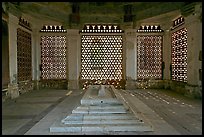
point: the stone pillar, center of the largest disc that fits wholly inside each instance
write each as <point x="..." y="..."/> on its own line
<point x="74" y="58"/>
<point x="12" y="27"/>
<point x="194" y="38"/>
<point x="166" y="54"/>
<point x="130" y="45"/>
<point x="36" y="54"/>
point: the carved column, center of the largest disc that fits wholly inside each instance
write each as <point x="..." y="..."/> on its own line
<point x="194" y="34"/>
<point x="130" y="46"/>
<point x="74" y="58"/>
<point x="13" y="86"/>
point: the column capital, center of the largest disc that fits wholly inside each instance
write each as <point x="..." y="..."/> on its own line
<point x="130" y="32"/>
<point x="73" y="32"/>
<point x="13" y="19"/>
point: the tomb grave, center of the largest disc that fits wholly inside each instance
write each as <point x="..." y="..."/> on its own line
<point x="102" y="110"/>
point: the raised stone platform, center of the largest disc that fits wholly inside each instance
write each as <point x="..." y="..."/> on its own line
<point x="101" y="110"/>
<point x="98" y="95"/>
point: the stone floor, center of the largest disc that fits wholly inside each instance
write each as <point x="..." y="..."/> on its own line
<point x="168" y="112"/>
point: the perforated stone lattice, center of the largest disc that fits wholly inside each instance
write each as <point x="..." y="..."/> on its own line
<point x="101" y="57"/>
<point x="53" y="57"/>
<point x="179" y="55"/>
<point x="149" y="57"/>
<point x="23" y="55"/>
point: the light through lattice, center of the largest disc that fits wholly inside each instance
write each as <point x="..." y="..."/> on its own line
<point x="101" y="57"/>
<point x="149" y="57"/>
<point x="179" y="55"/>
<point x="53" y="57"/>
<point x="24" y="55"/>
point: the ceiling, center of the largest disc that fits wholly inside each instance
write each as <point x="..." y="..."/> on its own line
<point x="91" y="11"/>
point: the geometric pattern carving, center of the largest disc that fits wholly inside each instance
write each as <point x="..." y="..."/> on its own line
<point x="149" y="57"/>
<point x="178" y="22"/>
<point x="101" y="57"/>
<point x="101" y="28"/>
<point x="53" y="57"/>
<point x="25" y="86"/>
<point x="150" y="28"/>
<point x="23" y="55"/>
<point x="53" y="84"/>
<point x="179" y="55"/>
<point x="53" y="29"/>
<point x="24" y="23"/>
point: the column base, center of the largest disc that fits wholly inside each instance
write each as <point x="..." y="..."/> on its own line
<point x="73" y="84"/>
<point x="13" y="91"/>
<point x="25" y="86"/>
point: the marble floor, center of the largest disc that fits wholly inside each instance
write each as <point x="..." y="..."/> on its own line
<point x="168" y="112"/>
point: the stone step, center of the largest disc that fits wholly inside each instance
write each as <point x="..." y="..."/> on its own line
<point x="101" y="107"/>
<point x="104" y="121"/>
<point x="100" y="101"/>
<point x="136" y="127"/>
<point x="101" y="113"/>
<point x="99" y="116"/>
<point x="95" y="111"/>
<point x="100" y="128"/>
<point x="110" y="117"/>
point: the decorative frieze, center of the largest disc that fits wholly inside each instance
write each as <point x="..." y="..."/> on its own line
<point x="177" y="22"/>
<point x="24" y="23"/>
<point x="53" y="29"/>
<point x="101" y="28"/>
<point x="150" y="29"/>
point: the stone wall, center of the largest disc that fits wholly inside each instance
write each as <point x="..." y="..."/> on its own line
<point x="193" y="23"/>
<point x="25" y="86"/>
<point x="53" y="84"/>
